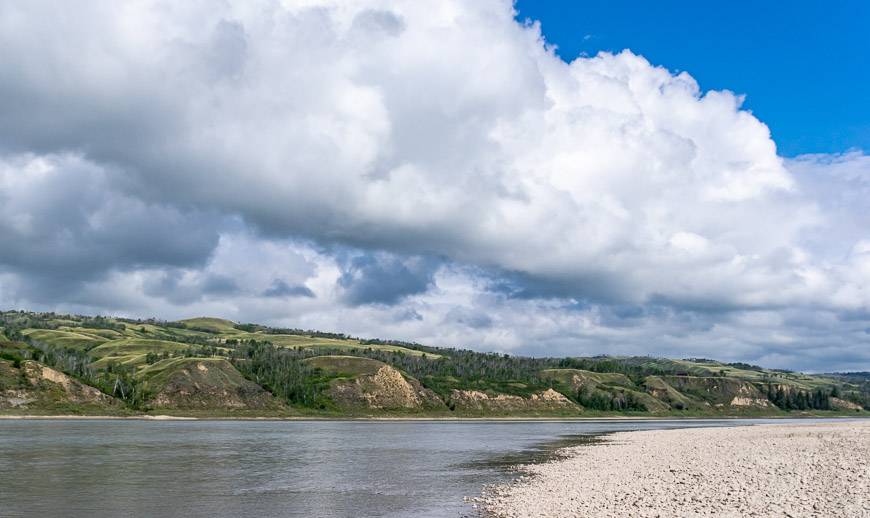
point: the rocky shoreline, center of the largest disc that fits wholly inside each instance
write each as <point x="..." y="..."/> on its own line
<point x="791" y="470"/>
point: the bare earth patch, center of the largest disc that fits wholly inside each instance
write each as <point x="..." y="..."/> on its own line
<point x="765" y="470"/>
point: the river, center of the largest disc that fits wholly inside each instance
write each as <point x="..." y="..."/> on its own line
<point x="110" y="468"/>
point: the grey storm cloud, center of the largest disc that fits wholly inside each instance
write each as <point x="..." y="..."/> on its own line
<point x="468" y="317"/>
<point x="430" y="172"/>
<point x="380" y="278"/>
<point x="280" y="288"/>
<point x="173" y="286"/>
<point x="61" y="224"/>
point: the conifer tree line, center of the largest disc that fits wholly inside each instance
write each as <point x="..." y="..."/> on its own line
<point x="800" y="399"/>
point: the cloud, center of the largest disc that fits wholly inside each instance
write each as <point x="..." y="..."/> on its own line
<point x="280" y="289"/>
<point x="61" y="222"/>
<point x="308" y="121"/>
<point x="435" y="171"/>
<point x="380" y="278"/>
<point x="474" y="319"/>
<point x="839" y="187"/>
<point x="182" y="287"/>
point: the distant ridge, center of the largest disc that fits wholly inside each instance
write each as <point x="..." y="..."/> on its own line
<point x="214" y="367"/>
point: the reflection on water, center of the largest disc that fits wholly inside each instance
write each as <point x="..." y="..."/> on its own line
<point x="536" y="453"/>
<point x="97" y="468"/>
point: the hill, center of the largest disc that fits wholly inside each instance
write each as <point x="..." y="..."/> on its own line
<point x="204" y="385"/>
<point x="32" y="388"/>
<point x="53" y="364"/>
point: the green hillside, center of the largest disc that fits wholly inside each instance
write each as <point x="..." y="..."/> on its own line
<point x="344" y="366"/>
<point x="205" y="385"/>
<point x="210" y="325"/>
<point x="301" y="341"/>
<point x="63" y="338"/>
<point x="53" y="364"/>
<point x="32" y="388"/>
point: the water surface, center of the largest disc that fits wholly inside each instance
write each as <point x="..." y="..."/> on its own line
<point x="108" y="468"/>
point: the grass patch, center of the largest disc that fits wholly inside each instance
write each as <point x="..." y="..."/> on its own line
<point x="136" y="346"/>
<point x="344" y="366"/>
<point x="98" y="334"/>
<point x="567" y="376"/>
<point x="309" y="342"/>
<point x="63" y="339"/>
<point x="211" y="325"/>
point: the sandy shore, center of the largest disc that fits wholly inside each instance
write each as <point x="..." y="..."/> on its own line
<point x="764" y="470"/>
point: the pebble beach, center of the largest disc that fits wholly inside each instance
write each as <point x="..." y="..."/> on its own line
<point x="763" y="470"/>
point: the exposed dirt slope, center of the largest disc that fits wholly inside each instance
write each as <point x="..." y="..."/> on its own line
<point x="474" y="401"/>
<point x="363" y="384"/>
<point x="34" y="388"/>
<point x="663" y="391"/>
<point x="604" y="384"/>
<point x="842" y="404"/>
<point x="203" y="384"/>
<point x="720" y="391"/>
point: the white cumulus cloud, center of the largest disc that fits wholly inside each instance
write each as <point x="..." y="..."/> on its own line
<point x="440" y="155"/>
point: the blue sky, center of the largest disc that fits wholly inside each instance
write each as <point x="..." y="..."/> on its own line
<point x="804" y="66"/>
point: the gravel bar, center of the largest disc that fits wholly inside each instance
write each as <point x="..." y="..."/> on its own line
<point x="789" y="470"/>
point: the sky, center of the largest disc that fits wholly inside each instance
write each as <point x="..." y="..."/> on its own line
<point x="525" y="179"/>
<point x="801" y="65"/>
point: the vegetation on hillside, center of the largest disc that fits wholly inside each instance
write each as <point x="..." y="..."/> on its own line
<point x="206" y="364"/>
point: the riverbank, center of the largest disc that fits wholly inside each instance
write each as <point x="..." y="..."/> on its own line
<point x="164" y="417"/>
<point x="764" y="470"/>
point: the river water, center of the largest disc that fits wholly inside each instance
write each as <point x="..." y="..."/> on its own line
<point x="109" y="468"/>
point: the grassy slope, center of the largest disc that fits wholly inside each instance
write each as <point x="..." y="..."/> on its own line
<point x="795" y="379"/>
<point x="354" y="389"/>
<point x="145" y="330"/>
<point x="695" y="386"/>
<point x="206" y="386"/>
<point x="33" y="396"/>
<point x="604" y="378"/>
<point x="136" y="347"/>
<point x="212" y="325"/>
<point x="226" y="330"/>
<point x="159" y="373"/>
<point x="657" y="393"/>
<point x="569" y="381"/>
<point x="65" y="339"/>
<point x="99" y="334"/>
<point x="309" y="342"/>
<point x="344" y="366"/>
<point x="134" y="351"/>
<point x="663" y="391"/>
